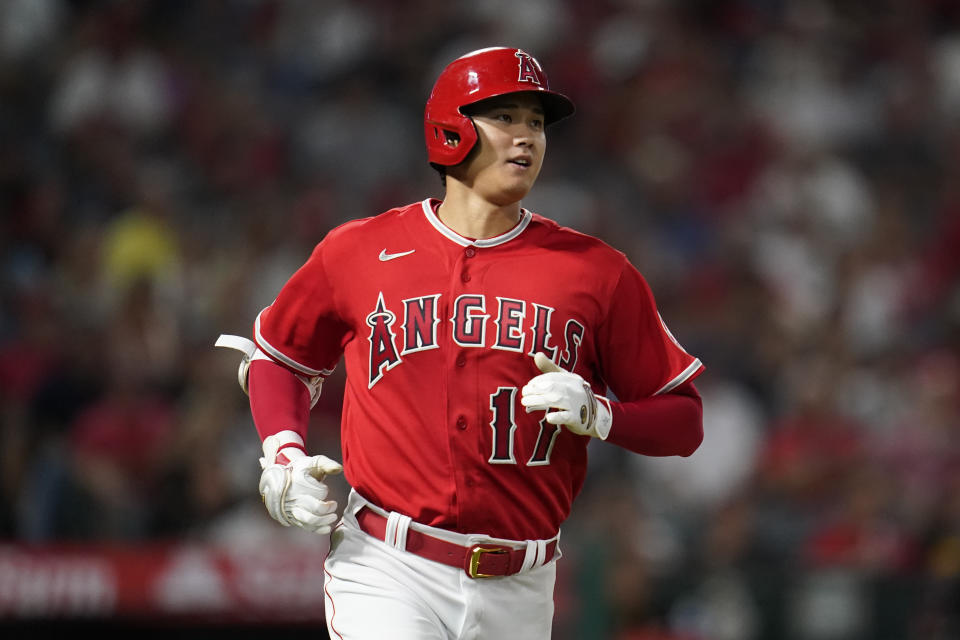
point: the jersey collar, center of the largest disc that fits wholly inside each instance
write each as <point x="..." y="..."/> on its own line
<point x="525" y="217"/>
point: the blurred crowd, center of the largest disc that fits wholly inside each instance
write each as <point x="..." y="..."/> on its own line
<point x="786" y="173"/>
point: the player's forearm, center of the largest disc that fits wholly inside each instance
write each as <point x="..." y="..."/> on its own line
<point x="278" y="400"/>
<point x="666" y="425"/>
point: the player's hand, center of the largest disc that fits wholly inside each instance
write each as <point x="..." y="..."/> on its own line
<point x="567" y="399"/>
<point x="292" y="486"/>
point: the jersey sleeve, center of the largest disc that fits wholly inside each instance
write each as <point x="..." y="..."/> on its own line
<point x="639" y="357"/>
<point x="302" y="329"/>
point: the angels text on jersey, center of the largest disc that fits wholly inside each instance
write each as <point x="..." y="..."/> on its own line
<point x="477" y="321"/>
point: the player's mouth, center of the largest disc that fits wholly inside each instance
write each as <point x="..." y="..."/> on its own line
<point x="521" y="161"/>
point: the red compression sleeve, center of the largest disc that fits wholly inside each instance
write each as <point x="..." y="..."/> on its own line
<point x="666" y="425"/>
<point x="278" y="399"/>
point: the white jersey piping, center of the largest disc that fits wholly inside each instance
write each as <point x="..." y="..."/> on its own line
<point x="274" y="353"/>
<point x="680" y="379"/>
<point x="525" y="218"/>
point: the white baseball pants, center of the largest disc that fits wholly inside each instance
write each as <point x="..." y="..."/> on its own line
<point x="375" y="591"/>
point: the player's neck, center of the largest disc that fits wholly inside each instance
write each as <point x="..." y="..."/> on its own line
<point x="472" y="216"/>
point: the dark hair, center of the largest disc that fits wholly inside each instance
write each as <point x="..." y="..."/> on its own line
<point x="442" y="170"/>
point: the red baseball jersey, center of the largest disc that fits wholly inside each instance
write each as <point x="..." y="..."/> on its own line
<point x="437" y="332"/>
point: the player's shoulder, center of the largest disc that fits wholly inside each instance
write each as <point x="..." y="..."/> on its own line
<point x="550" y="233"/>
<point x="342" y="243"/>
<point x="384" y="222"/>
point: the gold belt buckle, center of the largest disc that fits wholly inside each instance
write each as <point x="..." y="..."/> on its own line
<point x="475" y="555"/>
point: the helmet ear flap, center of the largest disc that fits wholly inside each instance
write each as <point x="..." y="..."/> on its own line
<point x="450" y="143"/>
<point x="445" y="137"/>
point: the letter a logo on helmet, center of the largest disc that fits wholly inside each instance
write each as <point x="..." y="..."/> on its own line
<point x="529" y="69"/>
<point x="476" y="76"/>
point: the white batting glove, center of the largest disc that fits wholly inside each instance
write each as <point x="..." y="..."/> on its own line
<point x="292" y="486"/>
<point x="568" y="400"/>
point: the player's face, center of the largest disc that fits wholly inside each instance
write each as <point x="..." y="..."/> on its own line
<point x="510" y="148"/>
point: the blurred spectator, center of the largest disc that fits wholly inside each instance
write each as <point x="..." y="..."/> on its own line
<point x="118" y="445"/>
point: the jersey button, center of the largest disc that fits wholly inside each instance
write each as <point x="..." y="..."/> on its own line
<point x="462" y="423"/>
<point x="469" y="482"/>
<point x="461" y="360"/>
<point x="465" y="277"/>
<point x="470" y="252"/>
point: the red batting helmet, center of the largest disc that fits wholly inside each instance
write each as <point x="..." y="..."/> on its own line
<point x="476" y="76"/>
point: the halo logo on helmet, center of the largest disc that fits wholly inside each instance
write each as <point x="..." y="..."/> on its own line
<point x="476" y="76"/>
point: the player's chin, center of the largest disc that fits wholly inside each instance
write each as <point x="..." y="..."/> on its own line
<point x="513" y="193"/>
<point x="518" y="186"/>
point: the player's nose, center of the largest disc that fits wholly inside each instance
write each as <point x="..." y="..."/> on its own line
<point x="524" y="137"/>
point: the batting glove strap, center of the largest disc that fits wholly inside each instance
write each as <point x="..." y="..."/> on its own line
<point x="282" y="447"/>
<point x="604" y="421"/>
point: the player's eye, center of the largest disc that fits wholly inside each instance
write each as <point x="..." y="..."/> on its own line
<point x="504" y="117"/>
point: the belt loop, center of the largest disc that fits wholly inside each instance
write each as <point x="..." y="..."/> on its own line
<point x="530" y="559"/>
<point x="397" y="527"/>
<point x="536" y="555"/>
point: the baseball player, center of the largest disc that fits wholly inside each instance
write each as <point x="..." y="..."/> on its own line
<point x="485" y="346"/>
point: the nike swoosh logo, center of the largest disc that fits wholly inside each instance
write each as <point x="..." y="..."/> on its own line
<point x="384" y="256"/>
